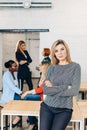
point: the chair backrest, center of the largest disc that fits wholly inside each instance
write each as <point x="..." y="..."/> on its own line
<point x="83" y="85"/>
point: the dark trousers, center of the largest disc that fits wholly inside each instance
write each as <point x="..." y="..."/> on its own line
<point x="17" y="97"/>
<point x="32" y="97"/>
<point x="28" y="81"/>
<point x="54" y="118"/>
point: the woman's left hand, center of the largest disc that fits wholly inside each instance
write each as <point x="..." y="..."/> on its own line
<point x="48" y="83"/>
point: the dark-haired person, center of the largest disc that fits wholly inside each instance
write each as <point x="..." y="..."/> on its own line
<point x="61" y="84"/>
<point x="23" y="58"/>
<point x="11" y="89"/>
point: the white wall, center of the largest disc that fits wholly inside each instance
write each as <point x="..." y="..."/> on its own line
<point x="67" y="19"/>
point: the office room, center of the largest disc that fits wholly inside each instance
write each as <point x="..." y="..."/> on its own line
<point x="40" y="23"/>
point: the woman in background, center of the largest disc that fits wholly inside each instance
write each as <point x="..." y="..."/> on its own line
<point x="42" y="66"/>
<point x="11" y="89"/>
<point x="37" y="93"/>
<point x="23" y="58"/>
<point x="61" y="84"/>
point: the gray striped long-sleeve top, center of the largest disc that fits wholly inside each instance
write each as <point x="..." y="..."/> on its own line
<point x="62" y="76"/>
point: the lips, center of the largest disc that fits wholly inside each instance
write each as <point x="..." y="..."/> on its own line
<point x="60" y="56"/>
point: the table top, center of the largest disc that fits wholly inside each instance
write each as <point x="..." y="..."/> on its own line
<point x="21" y="107"/>
<point x="83" y="87"/>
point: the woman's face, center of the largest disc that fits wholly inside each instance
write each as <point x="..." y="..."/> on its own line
<point x="60" y="52"/>
<point x="23" y="46"/>
<point x="14" y="67"/>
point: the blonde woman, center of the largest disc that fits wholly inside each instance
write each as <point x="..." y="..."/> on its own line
<point x="61" y="84"/>
<point x="23" y="58"/>
<point x="37" y="94"/>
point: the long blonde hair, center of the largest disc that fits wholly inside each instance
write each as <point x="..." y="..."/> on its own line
<point x="54" y="60"/>
<point x="43" y="69"/>
<point x="18" y="47"/>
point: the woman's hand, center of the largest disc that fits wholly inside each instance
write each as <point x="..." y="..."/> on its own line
<point x="27" y="92"/>
<point x="24" y="94"/>
<point x="69" y="87"/>
<point x="22" y="62"/>
<point x="48" y="83"/>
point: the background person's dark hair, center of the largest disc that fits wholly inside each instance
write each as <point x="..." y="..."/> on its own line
<point x="9" y="63"/>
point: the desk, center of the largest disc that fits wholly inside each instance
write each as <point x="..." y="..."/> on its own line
<point x="83" y="89"/>
<point x="32" y="108"/>
<point x="22" y="108"/>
